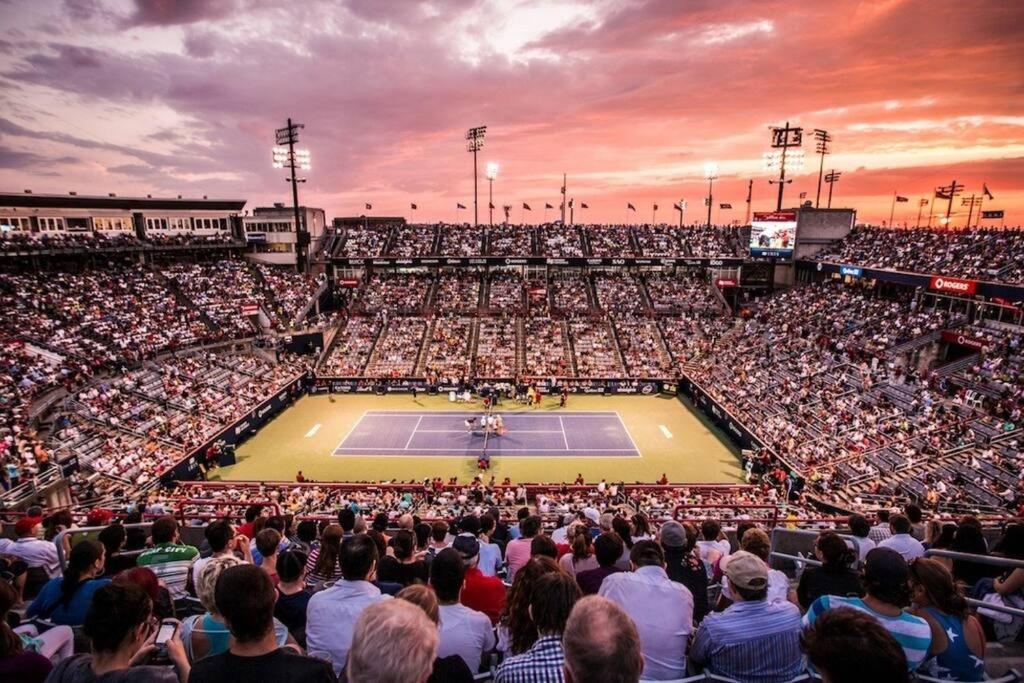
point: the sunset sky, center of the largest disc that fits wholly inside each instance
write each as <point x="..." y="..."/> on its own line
<point x="630" y="98"/>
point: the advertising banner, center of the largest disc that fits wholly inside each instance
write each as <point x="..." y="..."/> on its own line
<point x="953" y="285"/>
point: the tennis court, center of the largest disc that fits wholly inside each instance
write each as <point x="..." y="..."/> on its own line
<point x="566" y="434"/>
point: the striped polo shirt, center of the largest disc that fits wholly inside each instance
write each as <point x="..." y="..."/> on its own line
<point x="171" y="563"/>
<point x="912" y="633"/>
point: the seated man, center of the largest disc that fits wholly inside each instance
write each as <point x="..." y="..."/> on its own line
<point x="601" y="643"/>
<point x="245" y="597"/>
<point x="753" y="639"/>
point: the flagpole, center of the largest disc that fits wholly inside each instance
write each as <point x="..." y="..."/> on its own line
<point x="892" y="211"/>
<point x="981" y="201"/>
<point x="931" y="207"/>
<point x="920" y="207"/>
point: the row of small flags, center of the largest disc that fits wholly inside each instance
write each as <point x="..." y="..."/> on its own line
<point x="584" y="205"/>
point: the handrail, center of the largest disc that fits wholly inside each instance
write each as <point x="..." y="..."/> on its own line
<point x="58" y="540"/>
<point x="994" y="560"/>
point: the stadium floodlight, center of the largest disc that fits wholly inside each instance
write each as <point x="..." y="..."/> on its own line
<point x="710" y="175"/>
<point x="286" y="156"/>
<point x="492" y="174"/>
<point x="821" y="147"/>
<point x="474" y="143"/>
<point x="785" y="138"/>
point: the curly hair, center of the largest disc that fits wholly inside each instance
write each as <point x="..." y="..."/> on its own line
<point x="515" y="613"/>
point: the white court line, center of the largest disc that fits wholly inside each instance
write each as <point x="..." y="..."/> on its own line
<point x="664" y="430"/>
<point x="564" y="438"/>
<point x="413" y="433"/>
<point x="463" y="431"/>
<point x="506" y="414"/>
<point x="314" y="430"/>
<point x="349" y="433"/>
<point x="628" y="434"/>
<point x="371" y="449"/>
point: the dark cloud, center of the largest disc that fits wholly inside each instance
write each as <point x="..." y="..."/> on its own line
<point x="175" y="12"/>
<point x="200" y="44"/>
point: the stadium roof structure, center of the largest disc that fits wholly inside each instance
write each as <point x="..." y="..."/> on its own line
<point x="75" y="201"/>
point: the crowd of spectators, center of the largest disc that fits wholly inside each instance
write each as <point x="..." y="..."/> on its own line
<point x="601" y="594"/>
<point x="398" y="349"/>
<point x="447" y="352"/>
<point x="984" y="254"/>
<point x="395" y="293"/>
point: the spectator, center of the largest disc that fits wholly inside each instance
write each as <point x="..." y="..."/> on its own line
<point x="551" y="602"/>
<point x="403" y="630"/>
<point x="601" y="644"/>
<point x="324" y="562"/>
<point x="113" y="539"/>
<point x="209" y="634"/>
<point x="518" y="551"/>
<point x="661" y="609"/>
<point x="958" y="640"/>
<point x="881" y="530"/>
<point x="860" y="528"/>
<point x="581" y="556"/>
<point x="223" y="541"/>
<point x="464" y="632"/>
<point x="542" y="544"/>
<point x="31" y="550"/>
<point x="481" y="593"/>
<point x="163" y="607"/>
<point x="901" y="540"/>
<point x="713" y="545"/>
<point x="886" y="584"/>
<point x="834" y="576"/>
<point x="607" y="550"/>
<point x="170" y="561"/>
<point x="267" y="543"/>
<point x="66" y="600"/>
<point x="490" y="553"/>
<point x="848" y="646"/>
<point x="756" y="542"/>
<point x="333" y="612"/>
<point x="683" y="564"/>
<point x="450" y="669"/>
<point x="438" y="539"/>
<point x="119" y="625"/>
<point x="17" y="661"/>
<point x="754" y="639"/>
<point x="916" y="517"/>
<point x="400" y="565"/>
<point x="516" y="630"/>
<point x="245" y="597"/>
<point x="292" y="594"/>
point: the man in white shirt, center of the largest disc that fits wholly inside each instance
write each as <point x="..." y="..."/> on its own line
<point x="31" y="550"/>
<point x="464" y="632"/>
<point x="332" y="613"/>
<point x="711" y="546"/>
<point x="880" y="531"/>
<point x="901" y="540"/>
<point x="661" y="608"/>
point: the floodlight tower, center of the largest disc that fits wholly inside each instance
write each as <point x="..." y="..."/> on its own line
<point x="292" y="159"/>
<point x="821" y="146"/>
<point x="785" y="138"/>
<point x="832" y="178"/>
<point x="710" y="175"/>
<point x="492" y="174"/>
<point x="474" y="143"/>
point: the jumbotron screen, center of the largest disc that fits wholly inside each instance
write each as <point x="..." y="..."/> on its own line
<point x="773" y="233"/>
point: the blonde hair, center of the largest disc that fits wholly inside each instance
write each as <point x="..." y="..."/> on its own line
<point x="394" y="642"/>
<point x="424" y="598"/>
<point x="206" y="586"/>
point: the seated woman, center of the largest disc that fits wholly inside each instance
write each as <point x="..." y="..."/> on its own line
<point x="292" y="594"/>
<point x="958" y="640"/>
<point x="66" y="599"/>
<point x="399" y="564"/>
<point x="207" y="634"/>
<point x="19" y="661"/>
<point x="121" y="627"/>
<point x="834" y="576"/>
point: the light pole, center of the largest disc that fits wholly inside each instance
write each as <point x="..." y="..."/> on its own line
<point x="784" y="138"/>
<point x="474" y="143"/>
<point x="832" y="178"/>
<point x="822" y="138"/>
<point x="290" y="158"/>
<point x="710" y="175"/>
<point x="492" y="173"/>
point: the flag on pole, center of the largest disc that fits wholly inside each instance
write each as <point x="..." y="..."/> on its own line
<point x="491" y="204"/>
<point x="413" y="207"/>
<point x="941" y="195"/>
<point x="902" y="199"/>
<point x="630" y="207"/>
<point x="655" y="207"/>
<point x="924" y="202"/>
<point x="570" y="202"/>
<point x="548" y="206"/>
<point x="725" y="206"/>
<point x="984" y="189"/>
<point x="527" y="206"/>
<point x="369" y="206"/>
<point x="803" y="195"/>
<point x="677" y="207"/>
<point x="459" y="206"/>
<point x="583" y="206"/>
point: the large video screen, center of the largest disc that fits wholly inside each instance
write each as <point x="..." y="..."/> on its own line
<point x="773" y="234"/>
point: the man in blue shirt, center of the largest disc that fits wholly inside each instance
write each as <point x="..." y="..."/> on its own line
<point x="753" y="640"/>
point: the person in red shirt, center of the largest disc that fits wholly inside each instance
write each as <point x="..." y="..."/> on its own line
<point x="251" y="513"/>
<point x="483" y="593"/>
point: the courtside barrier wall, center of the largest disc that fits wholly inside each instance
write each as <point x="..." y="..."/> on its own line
<point x="549" y="385"/>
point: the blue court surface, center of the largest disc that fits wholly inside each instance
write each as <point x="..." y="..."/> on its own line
<point x="568" y="434"/>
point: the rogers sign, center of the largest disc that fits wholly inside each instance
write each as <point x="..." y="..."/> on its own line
<point x="952" y="284"/>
